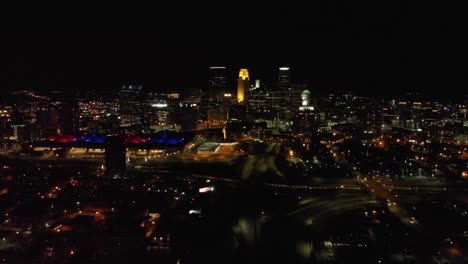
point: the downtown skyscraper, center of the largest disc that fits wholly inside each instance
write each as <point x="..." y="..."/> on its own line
<point x="213" y="93"/>
<point x="217" y="82"/>
<point x="243" y="86"/>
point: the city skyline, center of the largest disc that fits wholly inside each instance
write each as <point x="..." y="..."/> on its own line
<point x="315" y="132"/>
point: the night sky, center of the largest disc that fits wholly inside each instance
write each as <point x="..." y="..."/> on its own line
<point x="387" y="47"/>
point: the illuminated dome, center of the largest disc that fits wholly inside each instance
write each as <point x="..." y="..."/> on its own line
<point x="305" y="97"/>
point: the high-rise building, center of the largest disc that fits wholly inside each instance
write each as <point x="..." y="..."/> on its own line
<point x="48" y="121"/>
<point x="192" y="97"/>
<point x="284" y="79"/>
<point x="282" y="95"/>
<point x="268" y="104"/>
<point x="115" y="159"/>
<point x="257" y="84"/>
<point x="69" y="116"/>
<point x="295" y="97"/>
<point x="261" y="102"/>
<point x="243" y="85"/>
<point x="130" y="105"/>
<point x="305" y="119"/>
<point x="305" y="98"/>
<point x="213" y="94"/>
<point x="217" y="82"/>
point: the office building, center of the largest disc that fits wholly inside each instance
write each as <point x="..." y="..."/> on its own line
<point x="69" y="116"/>
<point x="284" y="79"/>
<point x="213" y="96"/>
<point x="217" y="82"/>
<point x="130" y="106"/>
<point x="48" y="121"/>
<point x="305" y="119"/>
<point x="243" y="85"/>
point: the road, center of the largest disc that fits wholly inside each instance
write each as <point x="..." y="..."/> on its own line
<point x="381" y="190"/>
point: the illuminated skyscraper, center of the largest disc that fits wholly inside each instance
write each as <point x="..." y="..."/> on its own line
<point x="305" y="118"/>
<point x="305" y="98"/>
<point x="284" y="79"/>
<point x="243" y="85"/>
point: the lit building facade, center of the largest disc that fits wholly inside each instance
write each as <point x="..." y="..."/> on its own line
<point x="284" y="94"/>
<point x="243" y="85"/>
<point x="305" y="119"/>
<point x="98" y="112"/>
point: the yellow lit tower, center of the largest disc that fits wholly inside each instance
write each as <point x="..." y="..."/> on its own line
<point x="243" y="85"/>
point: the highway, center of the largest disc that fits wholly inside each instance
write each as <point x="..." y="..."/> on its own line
<point x="382" y="191"/>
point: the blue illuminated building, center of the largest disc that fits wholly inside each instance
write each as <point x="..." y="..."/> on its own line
<point x="164" y="139"/>
<point x="158" y="139"/>
<point x="94" y="138"/>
